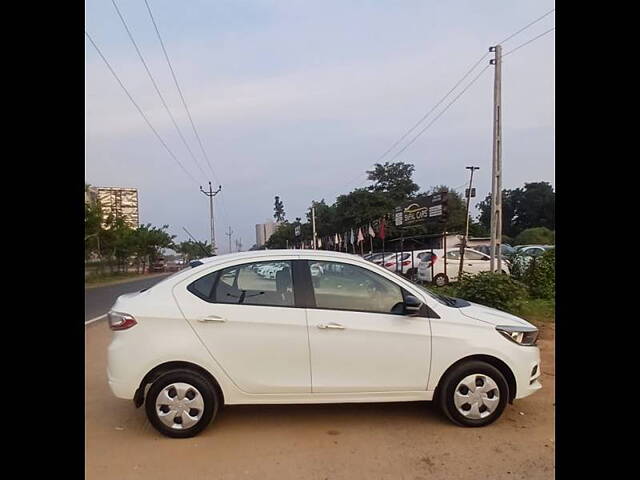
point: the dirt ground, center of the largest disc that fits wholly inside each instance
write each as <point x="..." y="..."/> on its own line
<point x="353" y="441"/>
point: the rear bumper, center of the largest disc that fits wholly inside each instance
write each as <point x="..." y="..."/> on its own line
<point x="121" y="389"/>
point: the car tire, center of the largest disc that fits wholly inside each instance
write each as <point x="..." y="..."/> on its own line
<point x="485" y="384"/>
<point x="441" y="280"/>
<point x="179" y="389"/>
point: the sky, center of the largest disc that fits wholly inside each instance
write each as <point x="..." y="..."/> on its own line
<point x="298" y="99"/>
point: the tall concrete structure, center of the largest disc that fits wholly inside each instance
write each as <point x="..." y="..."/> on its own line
<point x="264" y="232"/>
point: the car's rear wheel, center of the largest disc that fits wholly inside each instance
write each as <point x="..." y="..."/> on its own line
<point x="441" y="280"/>
<point x="181" y="403"/>
<point x="473" y="394"/>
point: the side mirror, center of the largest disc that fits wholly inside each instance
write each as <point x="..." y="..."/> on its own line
<point x="411" y="305"/>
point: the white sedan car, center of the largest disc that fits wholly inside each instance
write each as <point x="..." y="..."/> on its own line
<point x="219" y="333"/>
<point x="474" y="262"/>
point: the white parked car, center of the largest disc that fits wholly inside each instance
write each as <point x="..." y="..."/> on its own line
<point x="219" y="334"/>
<point x="400" y="262"/>
<point x="474" y="262"/>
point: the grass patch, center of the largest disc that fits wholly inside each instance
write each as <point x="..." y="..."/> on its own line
<point x="536" y="310"/>
<point x="106" y="277"/>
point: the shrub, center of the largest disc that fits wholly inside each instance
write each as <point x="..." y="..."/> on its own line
<point x="540" y="275"/>
<point x="536" y="236"/>
<point x="492" y="289"/>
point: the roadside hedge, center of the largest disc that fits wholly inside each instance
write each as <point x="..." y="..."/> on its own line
<point x="492" y="289"/>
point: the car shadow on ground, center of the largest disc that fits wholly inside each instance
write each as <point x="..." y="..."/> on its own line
<point x="370" y="414"/>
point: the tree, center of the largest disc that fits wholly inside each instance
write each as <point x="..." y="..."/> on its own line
<point x="523" y="208"/>
<point x="193" y="250"/>
<point x="92" y="229"/>
<point x="279" y="210"/>
<point x="395" y="179"/>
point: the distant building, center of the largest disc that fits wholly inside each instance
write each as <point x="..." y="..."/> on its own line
<point x="91" y="196"/>
<point x="264" y="232"/>
<point x="121" y="202"/>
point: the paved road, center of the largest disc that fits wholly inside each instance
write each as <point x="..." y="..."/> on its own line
<point x="98" y="300"/>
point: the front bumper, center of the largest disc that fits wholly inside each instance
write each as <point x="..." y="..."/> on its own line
<point x="528" y="377"/>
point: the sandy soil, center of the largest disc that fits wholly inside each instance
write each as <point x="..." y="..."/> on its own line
<point x="355" y="441"/>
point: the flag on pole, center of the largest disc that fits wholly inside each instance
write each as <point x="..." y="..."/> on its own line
<point x="360" y="235"/>
<point x="371" y="232"/>
<point x="352" y="237"/>
<point x="381" y="233"/>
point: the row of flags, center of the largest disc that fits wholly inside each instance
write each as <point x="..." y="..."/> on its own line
<point x="352" y="237"/>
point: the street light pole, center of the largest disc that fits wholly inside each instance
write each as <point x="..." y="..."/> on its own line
<point x="466" y="229"/>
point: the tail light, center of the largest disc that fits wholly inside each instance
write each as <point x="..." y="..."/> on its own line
<point x="406" y="262"/>
<point x="120" y="321"/>
<point x="390" y="264"/>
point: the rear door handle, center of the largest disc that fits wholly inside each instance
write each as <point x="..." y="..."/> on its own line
<point x="335" y="326"/>
<point x="212" y="318"/>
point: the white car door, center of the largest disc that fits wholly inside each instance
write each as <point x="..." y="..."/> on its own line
<point x="357" y="343"/>
<point x="453" y="264"/>
<point x="476" y="262"/>
<point x="251" y="326"/>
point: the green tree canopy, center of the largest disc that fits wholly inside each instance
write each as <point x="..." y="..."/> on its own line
<point x="523" y="208"/>
<point x="279" y="210"/>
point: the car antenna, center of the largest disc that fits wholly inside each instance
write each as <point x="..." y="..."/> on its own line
<point x="206" y="254"/>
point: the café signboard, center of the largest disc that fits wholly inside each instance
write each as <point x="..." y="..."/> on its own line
<point x="425" y="210"/>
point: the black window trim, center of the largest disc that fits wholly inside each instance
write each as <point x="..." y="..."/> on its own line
<point x="211" y="299"/>
<point x="303" y="293"/>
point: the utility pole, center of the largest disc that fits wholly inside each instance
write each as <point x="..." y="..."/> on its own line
<point x="313" y="218"/>
<point x="239" y="244"/>
<point x="496" y="172"/>
<point x="466" y="229"/>
<point x="211" y="194"/>
<point x="229" y="235"/>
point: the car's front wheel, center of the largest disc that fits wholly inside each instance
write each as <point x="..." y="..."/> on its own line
<point x="473" y="394"/>
<point x="181" y="403"/>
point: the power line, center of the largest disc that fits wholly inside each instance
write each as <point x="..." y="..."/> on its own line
<point x="155" y="86"/>
<point x="433" y="108"/>
<point x="440" y="114"/>
<point x="525" y="27"/>
<point x="138" y="108"/>
<point x="528" y="42"/>
<point x="423" y="117"/>
<point x="166" y="56"/>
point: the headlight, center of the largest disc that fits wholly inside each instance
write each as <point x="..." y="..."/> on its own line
<point x="527" y="336"/>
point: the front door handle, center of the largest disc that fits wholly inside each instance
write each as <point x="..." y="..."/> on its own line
<point x="212" y="318"/>
<point x="335" y="326"/>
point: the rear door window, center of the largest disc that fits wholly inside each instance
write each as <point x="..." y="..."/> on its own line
<point x="258" y="283"/>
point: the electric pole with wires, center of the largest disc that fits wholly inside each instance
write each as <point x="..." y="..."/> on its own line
<point x="211" y="194"/>
<point x="229" y="235"/>
<point x="496" y="172"/>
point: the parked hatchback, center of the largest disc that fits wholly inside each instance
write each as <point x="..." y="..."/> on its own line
<point x="442" y="269"/>
<point x="219" y="333"/>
